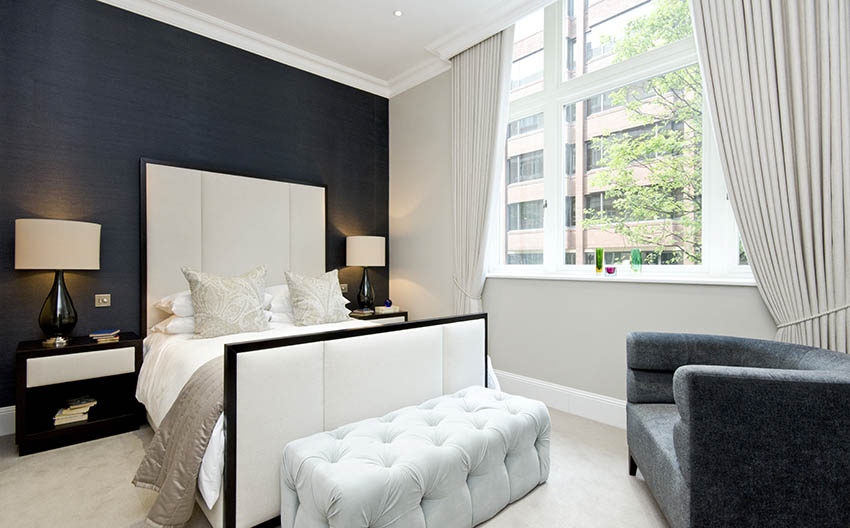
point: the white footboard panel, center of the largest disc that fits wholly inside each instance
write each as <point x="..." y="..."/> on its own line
<point x="279" y="390"/>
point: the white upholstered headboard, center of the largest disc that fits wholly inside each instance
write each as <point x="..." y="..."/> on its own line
<point x="226" y="224"/>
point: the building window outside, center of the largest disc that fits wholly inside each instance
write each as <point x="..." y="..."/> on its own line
<point x="525" y="125"/>
<point x="637" y="179"/>
<point x="570" y="159"/>
<point x="570" y="216"/>
<point x="527" y="70"/>
<point x="524" y="258"/>
<point x="528" y="56"/>
<point x="571" y="54"/>
<point x="525" y="215"/>
<point x="570" y="114"/>
<point x="526" y="166"/>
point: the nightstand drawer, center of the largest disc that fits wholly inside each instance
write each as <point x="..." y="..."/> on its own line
<point x="84" y="365"/>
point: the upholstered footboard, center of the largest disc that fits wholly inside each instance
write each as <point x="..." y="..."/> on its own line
<point x="279" y="390"/>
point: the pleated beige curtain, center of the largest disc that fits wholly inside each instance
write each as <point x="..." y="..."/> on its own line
<point x="777" y="78"/>
<point x="480" y="86"/>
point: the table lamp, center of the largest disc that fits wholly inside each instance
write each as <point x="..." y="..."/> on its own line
<point x="57" y="245"/>
<point x="365" y="251"/>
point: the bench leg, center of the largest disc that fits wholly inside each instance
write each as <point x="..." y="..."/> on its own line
<point x="632" y="465"/>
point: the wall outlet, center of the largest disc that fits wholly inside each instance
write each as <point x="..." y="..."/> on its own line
<point x="102" y="300"/>
<point x="344" y="288"/>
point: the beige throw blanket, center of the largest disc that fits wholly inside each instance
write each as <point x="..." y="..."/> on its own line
<point x="173" y="458"/>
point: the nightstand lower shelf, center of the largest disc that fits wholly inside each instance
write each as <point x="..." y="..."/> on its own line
<point x="69" y="434"/>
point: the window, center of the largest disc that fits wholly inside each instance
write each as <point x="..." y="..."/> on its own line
<point x="525" y="215"/>
<point x="525" y="125"/>
<point x="524" y="167"/>
<point x="523" y="257"/>
<point x="527" y="70"/>
<point x="571" y="55"/>
<point x="570" y="159"/>
<point x="570" y="217"/>
<point x="637" y="170"/>
<point x="592" y="155"/>
<point x="570" y="114"/>
<point x="527" y="67"/>
<point x="604" y="34"/>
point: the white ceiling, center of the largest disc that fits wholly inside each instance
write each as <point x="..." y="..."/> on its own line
<point x="358" y="42"/>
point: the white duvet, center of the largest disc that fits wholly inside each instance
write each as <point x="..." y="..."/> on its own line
<point x="169" y="362"/>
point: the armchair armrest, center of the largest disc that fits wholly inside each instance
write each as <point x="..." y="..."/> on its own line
<point x="754" y="442"/>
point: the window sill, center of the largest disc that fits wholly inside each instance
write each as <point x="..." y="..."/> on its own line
<point x="648" y="277"/>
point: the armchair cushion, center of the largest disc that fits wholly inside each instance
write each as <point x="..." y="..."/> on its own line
<point x="650" y="437"/>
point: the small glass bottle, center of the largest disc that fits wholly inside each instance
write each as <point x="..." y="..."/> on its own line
<point x="600" y="254"/>
<point x="636" y="260"/>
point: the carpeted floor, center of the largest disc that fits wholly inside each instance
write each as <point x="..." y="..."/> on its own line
<point x="88" y="485"/>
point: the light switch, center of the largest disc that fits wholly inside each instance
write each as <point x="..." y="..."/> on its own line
<point x="102" y="300"/>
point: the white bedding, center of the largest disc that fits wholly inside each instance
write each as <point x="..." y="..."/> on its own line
<point x="169" y="362"/>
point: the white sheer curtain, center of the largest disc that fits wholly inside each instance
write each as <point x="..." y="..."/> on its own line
<point x="777" y="78"/>
<point x="480" y="86"/>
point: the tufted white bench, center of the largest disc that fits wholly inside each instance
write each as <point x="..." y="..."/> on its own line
<point x="454" y="461"/>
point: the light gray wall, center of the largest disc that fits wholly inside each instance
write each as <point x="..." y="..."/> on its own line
<point x="567" y="332"/>
<point x="420" y="199"/>
<point x="573" y="333"/>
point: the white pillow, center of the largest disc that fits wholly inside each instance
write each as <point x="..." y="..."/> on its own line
<point x="316" y="300"/>
<point x="281" y="302"/>
<point x="227" y="305"/>
<point x="175" y="325"/>
<point x="180" y="304"/>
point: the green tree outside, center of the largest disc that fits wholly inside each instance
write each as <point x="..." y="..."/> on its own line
<point x="653" y="171"/>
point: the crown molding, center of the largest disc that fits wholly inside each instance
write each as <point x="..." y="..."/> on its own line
<point x="169" y="12"/>
<point x="214" y="28"/>
<point x="418" y="74"/>
<point x="500" y="16"/>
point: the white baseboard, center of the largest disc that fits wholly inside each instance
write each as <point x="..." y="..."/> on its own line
<point x="596" y="407"/>
<point x="7" y="420"/>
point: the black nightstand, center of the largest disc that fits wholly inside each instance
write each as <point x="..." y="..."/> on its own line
<point x="47" y="377"/>
<point x="383" y="318"/>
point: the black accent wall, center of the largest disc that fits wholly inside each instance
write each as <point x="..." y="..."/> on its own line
<point x="87" y="89"/>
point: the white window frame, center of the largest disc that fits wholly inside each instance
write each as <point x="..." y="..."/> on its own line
<point x="720" y="234"/>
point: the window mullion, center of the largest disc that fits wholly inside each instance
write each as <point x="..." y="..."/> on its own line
<point x="552" y="160"/>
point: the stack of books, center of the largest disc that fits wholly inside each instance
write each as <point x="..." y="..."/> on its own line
<point x="76" y="410"/>
<point x="105" y="336"/>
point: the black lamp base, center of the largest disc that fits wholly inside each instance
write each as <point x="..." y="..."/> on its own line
<point x="366" y="295"/>
<point x="58" y="316"/>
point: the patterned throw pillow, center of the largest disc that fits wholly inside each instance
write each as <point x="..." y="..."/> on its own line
<point x="227" y="305"/>
<point x="316" y="300"/>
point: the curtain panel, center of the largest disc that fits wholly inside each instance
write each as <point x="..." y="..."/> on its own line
<point x="480" y="86"/>
<point x="777" y="76"/>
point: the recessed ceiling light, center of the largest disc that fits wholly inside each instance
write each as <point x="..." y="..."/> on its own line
<point x="397" y="12"/>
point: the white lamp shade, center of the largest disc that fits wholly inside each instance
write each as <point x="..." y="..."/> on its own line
<point x="365" y="251"/>
<point x="42" y="244"/>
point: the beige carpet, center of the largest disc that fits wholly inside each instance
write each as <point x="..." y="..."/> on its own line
<point x="88" y="485"/>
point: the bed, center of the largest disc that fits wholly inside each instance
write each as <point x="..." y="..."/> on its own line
<point x="287" y="382"/>
<point x="169" y="362"/>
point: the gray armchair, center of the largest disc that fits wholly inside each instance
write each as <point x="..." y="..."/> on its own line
<point x="740" y="432"/>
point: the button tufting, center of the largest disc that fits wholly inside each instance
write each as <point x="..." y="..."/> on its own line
<point x="459" y="421"/>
